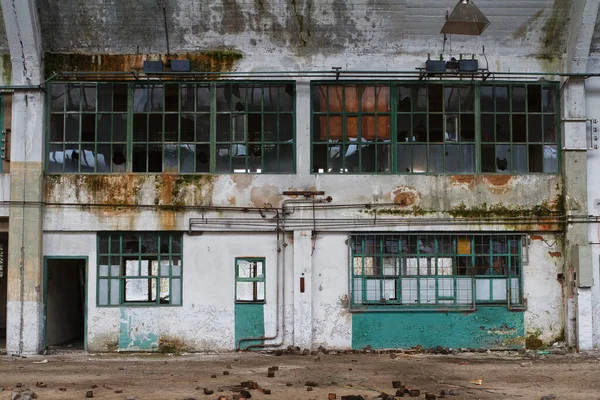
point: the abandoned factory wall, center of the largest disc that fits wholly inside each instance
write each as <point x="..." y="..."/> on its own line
<point x="393" y="212"/>
<point x="209" y="319"/>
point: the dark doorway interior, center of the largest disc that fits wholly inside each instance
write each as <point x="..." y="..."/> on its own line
<point x="65" y="303"/>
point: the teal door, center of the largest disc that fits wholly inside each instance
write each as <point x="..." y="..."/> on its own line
<point x="249" y="301"/>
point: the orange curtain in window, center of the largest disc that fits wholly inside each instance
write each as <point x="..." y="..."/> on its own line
<point x="339" y="98"/>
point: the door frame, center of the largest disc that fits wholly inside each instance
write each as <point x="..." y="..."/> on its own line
<point x="45" y="295"/>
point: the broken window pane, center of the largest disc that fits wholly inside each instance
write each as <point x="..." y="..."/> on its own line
<point x="503" y="159"/>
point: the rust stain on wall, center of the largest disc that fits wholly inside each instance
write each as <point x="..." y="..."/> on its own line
<point x="405" y="196"/>
<point x="498" y="184"/>
<point x="242" y="181"/>
<point x="460" y="180"/>
<point x="548" y="225"/>
<point x="268" y="195"/>
<point x="121" y="193"/>
<point x="555" y="254"/>
<point x="536" y="237"/>
<point x="219" y="60"/>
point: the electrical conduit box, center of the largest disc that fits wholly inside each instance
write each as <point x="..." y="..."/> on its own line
<point x="153" y="66"/>
<point x="468" y="65"/>
<point x="180" y="65"/>
<point x="438" y="66"/>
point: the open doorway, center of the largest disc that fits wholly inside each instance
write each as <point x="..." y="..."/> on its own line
<point x="65" y="302"/>
<point x="3" y="289"/>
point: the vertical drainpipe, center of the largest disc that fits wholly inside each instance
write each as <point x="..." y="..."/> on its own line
<point x="280" y="320"/>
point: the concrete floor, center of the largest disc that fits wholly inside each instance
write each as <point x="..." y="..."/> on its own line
<point x="505" y="375"/>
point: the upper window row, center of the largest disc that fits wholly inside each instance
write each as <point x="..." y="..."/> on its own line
<point x="171" y="127"/>
<point x="249" y="127"/>
<point x="423" y="127"/>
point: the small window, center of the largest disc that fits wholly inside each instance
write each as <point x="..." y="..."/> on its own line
<point x="139" y="269"/>
<point x="250" y="280"/>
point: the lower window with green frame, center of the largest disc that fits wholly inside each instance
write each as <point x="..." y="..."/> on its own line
<point x="435" y="270"/>
<point x="139" y="268"/>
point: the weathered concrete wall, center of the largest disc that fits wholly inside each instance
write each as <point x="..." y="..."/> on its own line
<point x="165" y="202"/>
<point x="543" y="288"/>
<point x="208" y="297"/>
<point x="330" y="283"/>
<point x="308" y="28"/>
<point x="266" y="35"/>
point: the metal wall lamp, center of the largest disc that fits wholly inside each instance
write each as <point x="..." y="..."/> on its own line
<point x="466" y="19"/>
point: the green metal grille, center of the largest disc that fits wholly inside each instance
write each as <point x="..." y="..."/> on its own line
<point x="435" y="270"/>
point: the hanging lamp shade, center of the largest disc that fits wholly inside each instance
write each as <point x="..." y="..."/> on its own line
<point x="466" y="19"/>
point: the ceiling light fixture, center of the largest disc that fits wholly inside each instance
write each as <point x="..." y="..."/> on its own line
<point x="466" y="19"/>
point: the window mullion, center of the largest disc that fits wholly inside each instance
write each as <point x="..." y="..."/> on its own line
<point x="213" y="128"/>
<point x="129" y="138"/>
<point x="393" y="126"/>
<point x="477" y="119"/>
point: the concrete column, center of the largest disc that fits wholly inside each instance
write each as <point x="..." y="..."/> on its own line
<point x="24" y="320"/>
<point x="303" y="318"/>
<point x="575" y="174"/>
<point x="303" y="147"/>
<point x="578" y="300"/>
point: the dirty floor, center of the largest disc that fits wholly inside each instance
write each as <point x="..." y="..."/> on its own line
<point x="502" y="375"/>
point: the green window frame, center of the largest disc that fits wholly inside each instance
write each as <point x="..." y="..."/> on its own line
<point x="435" y="270"/>
<point x="154" y="127"/>
<point x="250" y="282"/>
<point x="436" y="127"/>
<point x="139" y="269"/>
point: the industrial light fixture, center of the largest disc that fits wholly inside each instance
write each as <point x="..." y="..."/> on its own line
<point x="466" y="19"/>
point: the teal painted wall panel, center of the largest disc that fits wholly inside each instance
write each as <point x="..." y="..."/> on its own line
<point x="134" y="334"/>
<point x="488" y="327"/>
<point x="249" y="322"/>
